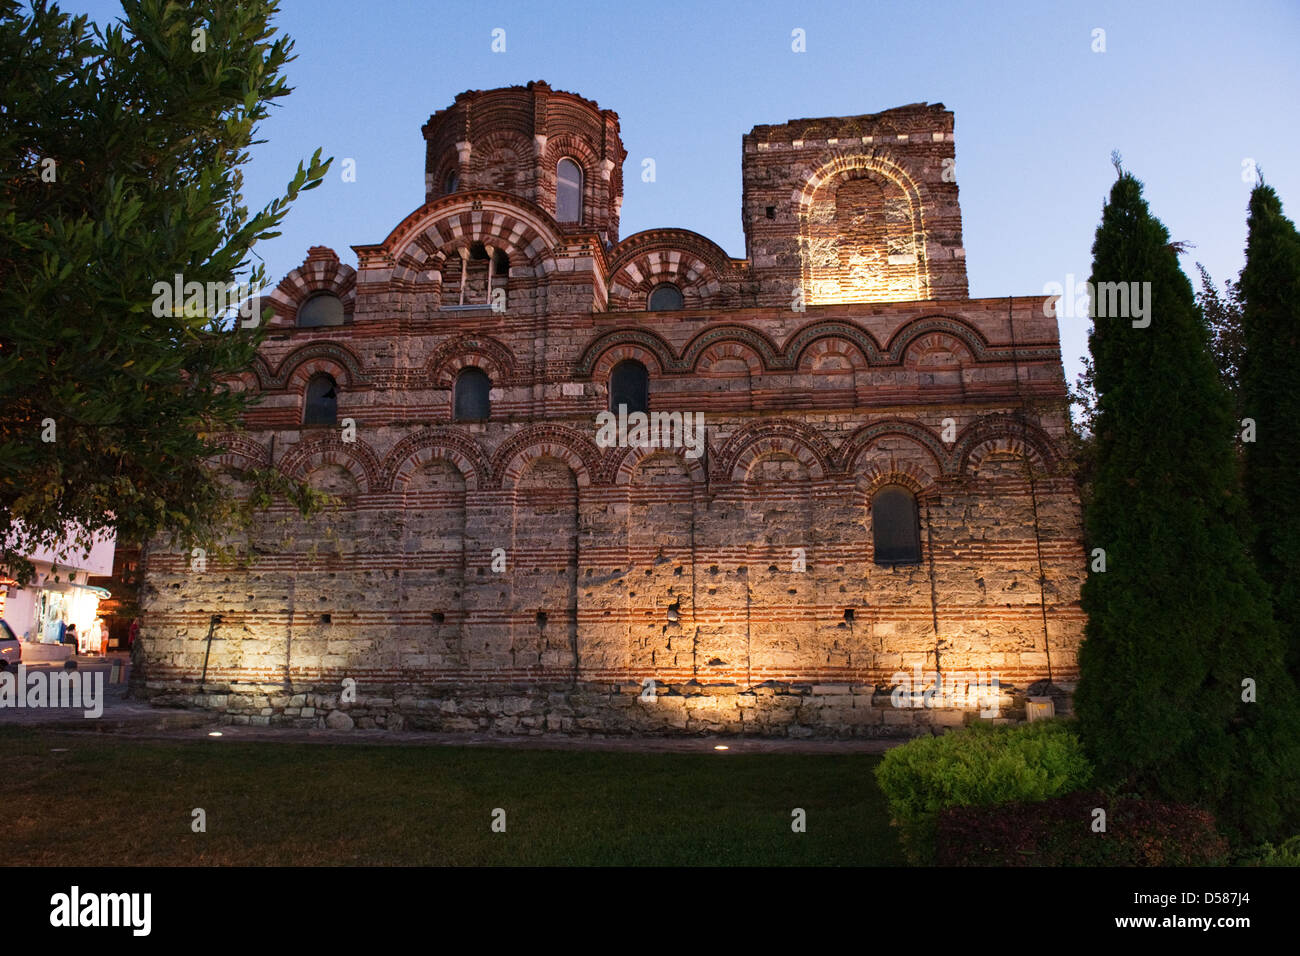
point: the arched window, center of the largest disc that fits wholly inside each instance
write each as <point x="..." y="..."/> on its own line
<point x="470" y="396"/>
<point x="568" y="191"/>
<point x="472" y="275"/>
<point x="629" y="384"/>
<point x="895" y="530"/>
<point x="665" y="297"/>
<point x="321" y="406"/>
<point x="450" y="182"/>
<point x="323" y="309"/>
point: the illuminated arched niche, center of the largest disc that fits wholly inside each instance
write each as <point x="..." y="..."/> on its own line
<point x="862" y="233"/>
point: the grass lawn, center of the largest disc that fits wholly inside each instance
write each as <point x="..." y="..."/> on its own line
<point x="106" y="801"/>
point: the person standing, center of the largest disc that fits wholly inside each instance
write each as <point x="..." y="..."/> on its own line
<point x="137" y="650"/>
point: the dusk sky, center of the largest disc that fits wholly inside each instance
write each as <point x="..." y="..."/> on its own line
<point x="490" y="579"/>
<point x="1187" y="92"/>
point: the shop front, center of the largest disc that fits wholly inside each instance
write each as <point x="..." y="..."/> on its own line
<point x="62" y="605"/>
<point x="56" y="613"/>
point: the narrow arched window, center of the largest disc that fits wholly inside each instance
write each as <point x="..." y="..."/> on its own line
<point x="665" y="297"/>
<point x="472" y="276"/>
<point x="450" y="182"/>
<point x="323" y="309"/>
<point x="629" y="384"/>
<point x="895" y="529"/>
<point x="471" y="401"/>
<point x="321" y="405"/>
<point x="568" y="191"/>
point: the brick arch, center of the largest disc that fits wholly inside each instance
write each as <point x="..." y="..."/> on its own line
<point x="923" y="348"/>
<point x="887" y="126"/>
<point x="1014" y="446"/>
<point x="312" y="475"/>
<point x="420" y="242"/>
<point x="936" y="328"/>
<point x="338" y="360"/>
<point x="450" y="161"/>
<point x="415" y="451"/>
<point x="813" y="332"/>
<point x="261" y="371"/>
<point x="415" y="265"/>
<point x="575" y="145"/>
<point x="686" y="259"/>
<point x="481" y="351"/>
<point x="797" y="439"/>
<point x="819" y="187"/>
<point x="250" y="379"/>
<point x="921" y="438"/>
<point x="485" y="155"/>
<point x="357" y="457"/>
<point x="491" y="233"/>
<point x="831" y="345"/>
<point x="308" y="368"/>
<point x="598" y="357"/>
<point x="321" y="271"/>
<point x="780" y="450"/>
<point x="755" y="342"/>
<point x="239" y="451"/>
<point x="920" y="484"/>
<point x="1006" y="435"/>
<point x="622" y="463"/>
<point x="686" y="241"/>
<point x="835" y="163"/>
<point x="729" y="350"/>
<point x="849" y="131"/>
<point x="572" y="447"/>
<point x="497" y="222"/>
<point x="631" y="286"/>
<point x="622" y="353"/>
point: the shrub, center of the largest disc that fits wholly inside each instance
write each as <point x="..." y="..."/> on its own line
<point x="1287" y="854"/>
<point x="979" y="766"/>
<point x="1059" y="832"/>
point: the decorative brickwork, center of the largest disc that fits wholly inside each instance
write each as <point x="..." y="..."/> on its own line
<point x="517" y="573"/>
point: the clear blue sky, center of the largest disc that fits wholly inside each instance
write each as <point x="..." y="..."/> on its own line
<point x="1184" y="90"/>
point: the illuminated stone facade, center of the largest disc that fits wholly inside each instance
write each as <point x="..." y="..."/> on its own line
<point x="511" y="573"/>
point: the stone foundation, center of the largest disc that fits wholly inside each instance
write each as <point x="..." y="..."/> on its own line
<point x="771" y="709"/>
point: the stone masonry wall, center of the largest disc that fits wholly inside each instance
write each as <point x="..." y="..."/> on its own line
<point x="621" y="566"/>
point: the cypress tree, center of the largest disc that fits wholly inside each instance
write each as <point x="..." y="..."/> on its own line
<point x="1270" y="385"/>
<point x="1180" y="617"/>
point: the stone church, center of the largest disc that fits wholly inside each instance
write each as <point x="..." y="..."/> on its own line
<point x="853" y="479"/>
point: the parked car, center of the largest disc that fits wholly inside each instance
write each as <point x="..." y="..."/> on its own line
<point x="11" y="649"/>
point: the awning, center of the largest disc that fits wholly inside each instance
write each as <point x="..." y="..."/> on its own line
<point x="102" y="593"/>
